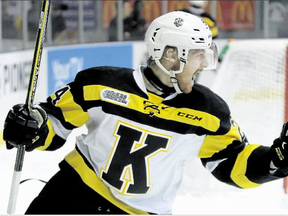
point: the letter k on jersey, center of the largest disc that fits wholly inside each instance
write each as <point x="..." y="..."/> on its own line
<point x="128" y="168"/>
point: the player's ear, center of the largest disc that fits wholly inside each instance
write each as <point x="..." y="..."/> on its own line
<point x="170" y="58"/>
<point x="171" y="54"/>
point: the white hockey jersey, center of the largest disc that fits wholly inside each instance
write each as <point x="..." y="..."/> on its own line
<point x="137" y="142"/>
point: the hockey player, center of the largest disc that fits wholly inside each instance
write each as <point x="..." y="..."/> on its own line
<point x="142" y="126"/>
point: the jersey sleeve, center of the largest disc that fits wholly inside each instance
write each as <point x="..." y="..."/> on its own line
<point x="233" y="160"/>
<point x="65" y="109"/>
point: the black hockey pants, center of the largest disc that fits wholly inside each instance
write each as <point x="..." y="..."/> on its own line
<point x="65" y="193"/>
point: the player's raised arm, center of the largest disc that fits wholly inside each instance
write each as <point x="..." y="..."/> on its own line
<point x="235" y="161"/>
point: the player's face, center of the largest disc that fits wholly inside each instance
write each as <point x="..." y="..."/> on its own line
<point x="196" y="62"/>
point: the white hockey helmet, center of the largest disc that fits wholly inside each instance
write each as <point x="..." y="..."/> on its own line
<point x="183" y="31"/>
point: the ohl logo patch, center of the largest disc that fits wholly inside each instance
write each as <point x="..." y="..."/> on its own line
<point x="115" y="96"/>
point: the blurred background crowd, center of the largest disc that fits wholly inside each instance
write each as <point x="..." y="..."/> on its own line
<point x="74" y="22"/>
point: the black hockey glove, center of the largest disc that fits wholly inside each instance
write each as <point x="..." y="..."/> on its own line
<point x="279" y="150"/>
<point x="23" y="128"/>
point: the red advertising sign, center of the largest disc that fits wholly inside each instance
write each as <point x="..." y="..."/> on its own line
<point x="235" y="14"/>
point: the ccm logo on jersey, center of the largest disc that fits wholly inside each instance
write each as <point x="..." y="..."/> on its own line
<point x="189" y="116"/>
<point x="115" y="96"/>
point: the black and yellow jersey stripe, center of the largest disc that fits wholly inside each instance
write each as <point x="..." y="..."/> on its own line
<point x="187" y="116"/>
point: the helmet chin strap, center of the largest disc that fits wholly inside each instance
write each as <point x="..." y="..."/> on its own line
<point x="174" y="80"/>
<point x="172" y="75"/>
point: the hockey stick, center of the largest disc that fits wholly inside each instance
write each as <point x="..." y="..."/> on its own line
<point x="45" y="8"/>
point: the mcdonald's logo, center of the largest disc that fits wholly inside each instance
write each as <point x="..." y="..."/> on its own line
<point x="242" y="11"/>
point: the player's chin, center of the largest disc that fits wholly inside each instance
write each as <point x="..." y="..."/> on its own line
<point x="187" y="88"/>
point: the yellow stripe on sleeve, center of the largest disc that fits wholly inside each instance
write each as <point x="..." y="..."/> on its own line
<point x="72" y="112"/>
<point x="49" y="138"/>
<point x="240" y="167"/>
<point x="214" y="144"/>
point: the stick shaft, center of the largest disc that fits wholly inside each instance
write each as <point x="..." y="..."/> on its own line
<point x="14" y="192"/>
<point x="41" y="32"/>
<point x="16" y="180"/>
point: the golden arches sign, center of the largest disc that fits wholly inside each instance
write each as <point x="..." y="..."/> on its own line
<point x="242" y="11"/>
